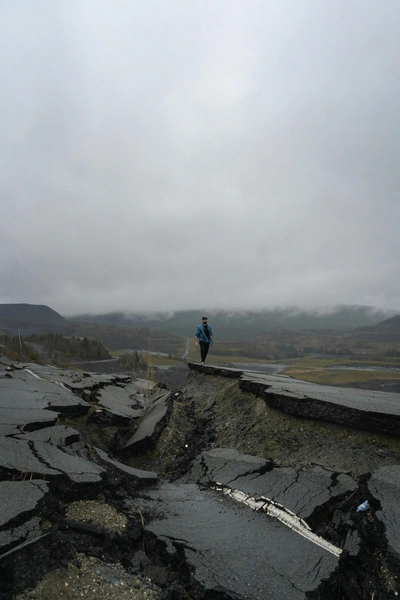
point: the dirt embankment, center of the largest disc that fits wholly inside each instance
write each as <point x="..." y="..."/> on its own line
<point x="212" y="412"/>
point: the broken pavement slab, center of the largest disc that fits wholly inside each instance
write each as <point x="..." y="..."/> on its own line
<point x="27" y="402"/>
<point x="32" y="445"/>
<point x="19" y="459"/>
<point x="223" y="543"/>
<point x="384" y="485"/>
<point x="283" y="563"/>
<point x="151" y="425"/>
<point x="232" y="549"/>
<point x="299" y="491"/>
<point x="73" y="378"/>
<point x="126" y="402"/>
<point x="19" y="498"/>
<point x="138" y="475"/>
<point x="366" y="409"/>
<point x="19" y="502"/>
<point x="37" y="455"/>
<point x="14" y="420"/>
<point x="59" y="435"/>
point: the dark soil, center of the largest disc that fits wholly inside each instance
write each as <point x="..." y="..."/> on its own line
<point x="210" y="412"/>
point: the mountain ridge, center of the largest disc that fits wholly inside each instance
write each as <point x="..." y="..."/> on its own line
<point x="33" y="313"/>
<point x="28" y="319"/>
<point x="241" y="325"/>
<point x="229" y="326"/>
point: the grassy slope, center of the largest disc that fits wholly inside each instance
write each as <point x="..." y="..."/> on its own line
<point x="340" y="377"/>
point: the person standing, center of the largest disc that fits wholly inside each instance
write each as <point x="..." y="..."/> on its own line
<point x="203" y="336"/>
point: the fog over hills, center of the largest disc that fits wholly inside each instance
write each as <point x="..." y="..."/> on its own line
<point x="392" y="324"/>
<point x="240" y="325"/>
<point x="227" y="325"/>
<point x="357" y="331"/>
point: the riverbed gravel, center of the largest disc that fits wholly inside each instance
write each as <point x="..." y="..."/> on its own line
<point x="92" y="579"/>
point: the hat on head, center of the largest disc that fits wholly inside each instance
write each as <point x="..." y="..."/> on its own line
<point x="203" y="318"/>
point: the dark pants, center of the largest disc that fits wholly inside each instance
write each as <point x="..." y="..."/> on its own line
<point x="204" y="348"/>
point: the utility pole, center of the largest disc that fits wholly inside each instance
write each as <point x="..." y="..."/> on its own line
<point x="20" y="343"/>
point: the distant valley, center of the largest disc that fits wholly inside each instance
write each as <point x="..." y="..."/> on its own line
<point x="349" y="345"/>
<point x="353" y="331"/>
<point x="245" y="325"/>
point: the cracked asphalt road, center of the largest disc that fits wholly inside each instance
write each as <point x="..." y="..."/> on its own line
<point x="188" y="532"/>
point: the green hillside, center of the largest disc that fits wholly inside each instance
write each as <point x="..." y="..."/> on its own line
<point x="28" y="319"/>
<point x="30" y="313"/>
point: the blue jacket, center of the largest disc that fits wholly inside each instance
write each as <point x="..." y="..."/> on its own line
<point x="201" y="335"/>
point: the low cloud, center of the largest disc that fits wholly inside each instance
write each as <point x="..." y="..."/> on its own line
<point x="216" y="155"/>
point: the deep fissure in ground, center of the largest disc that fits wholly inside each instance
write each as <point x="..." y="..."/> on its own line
<point x="210" y="412"/>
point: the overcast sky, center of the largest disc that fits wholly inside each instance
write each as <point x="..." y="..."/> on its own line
<point x="172" y="154"/>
